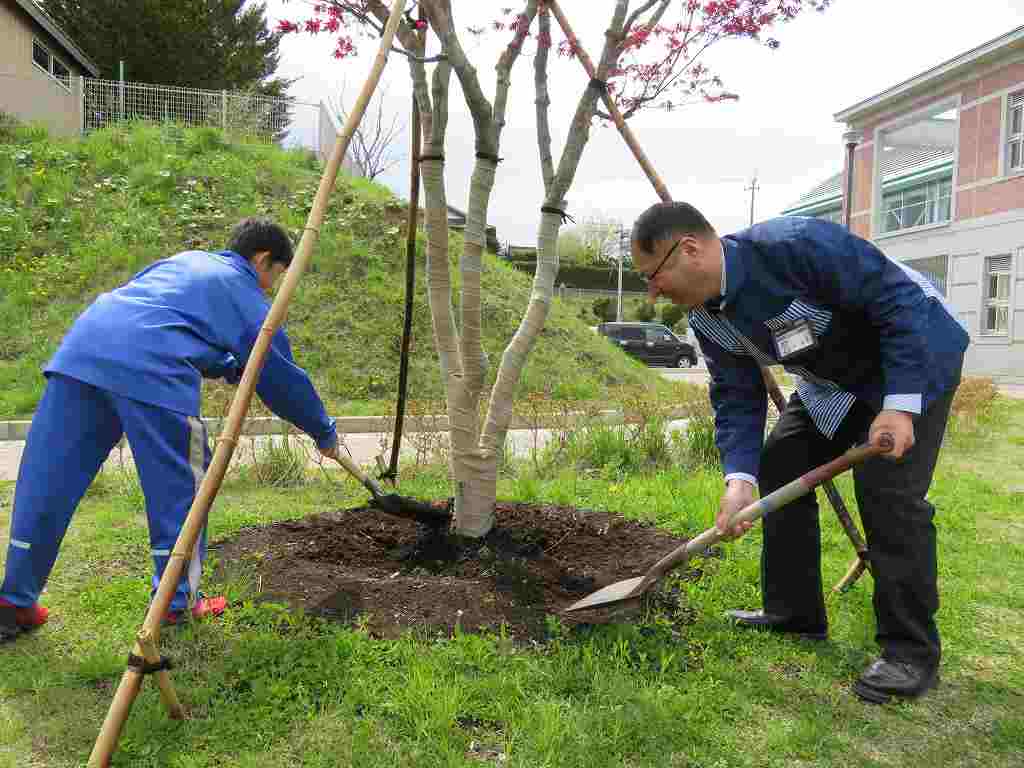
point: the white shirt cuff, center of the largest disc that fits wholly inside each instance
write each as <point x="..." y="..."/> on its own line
<point x="908" y="403"/>
<point x="741" y="476"/>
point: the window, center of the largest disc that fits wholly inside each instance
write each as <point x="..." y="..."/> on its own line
<point x="61" y="73"/>
<point x="916" y="206"/>
<point x="933" y="269"/>
<point x="41" y="56"/>
<point x="657" y="334"/>
<point x="50" y="64"/>
<point x="996" y="309"/>
<point x="1015" y="133"/>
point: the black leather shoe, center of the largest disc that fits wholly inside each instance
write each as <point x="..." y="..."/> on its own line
<point x="884" y="679"/>
<point x="773" y="623"/>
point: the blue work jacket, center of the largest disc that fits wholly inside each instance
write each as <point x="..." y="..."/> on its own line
<point x="883" y="334"/>
<point x="194" y="315"/>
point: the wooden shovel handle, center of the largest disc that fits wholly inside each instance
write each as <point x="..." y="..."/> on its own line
<point x="770" y="503"/>
<point x="353" y="469"/>
<point x="834" y="497"/>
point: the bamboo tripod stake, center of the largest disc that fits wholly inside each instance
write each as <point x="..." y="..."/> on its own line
<point x="148" y="637"/>
<point x="859" y="565"/>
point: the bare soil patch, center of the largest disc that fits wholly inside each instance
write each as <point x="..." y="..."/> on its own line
<point x="391" y="574"/>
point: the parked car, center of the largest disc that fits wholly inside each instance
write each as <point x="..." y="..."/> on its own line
<point x="653" y="343"/>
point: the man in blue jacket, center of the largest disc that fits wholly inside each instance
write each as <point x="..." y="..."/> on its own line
<point x="131" y="365"/>
<point x="874" y="348"/>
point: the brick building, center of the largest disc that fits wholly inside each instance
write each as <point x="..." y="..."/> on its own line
<point x="938" y="183"/>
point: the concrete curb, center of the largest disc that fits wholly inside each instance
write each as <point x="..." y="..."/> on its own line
<point x="14" y="431"/>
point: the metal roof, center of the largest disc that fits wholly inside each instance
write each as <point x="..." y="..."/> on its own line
<point x="948" y="69"/>
<point x="896" y="164"/>
<point x="42" y="18"/>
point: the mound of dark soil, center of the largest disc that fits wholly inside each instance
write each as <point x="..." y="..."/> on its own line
<point x="393" y="574"/>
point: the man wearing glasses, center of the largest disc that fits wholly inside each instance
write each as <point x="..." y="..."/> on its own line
<point x="874" y="348"/>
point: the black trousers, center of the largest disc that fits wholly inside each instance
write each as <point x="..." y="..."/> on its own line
<point x="897" y="520"/>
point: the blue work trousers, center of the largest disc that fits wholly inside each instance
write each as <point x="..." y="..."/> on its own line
<point x="75" y="427"/>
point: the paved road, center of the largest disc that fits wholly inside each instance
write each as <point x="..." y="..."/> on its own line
<point x="363" y="447"/>
<point x="366" y="446"/>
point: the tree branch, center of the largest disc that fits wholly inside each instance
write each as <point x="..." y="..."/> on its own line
<point x="504" y="67"/>
<point x="543" y="101"/>
<point x="641" y="11"/>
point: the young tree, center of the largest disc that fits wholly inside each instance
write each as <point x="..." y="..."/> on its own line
<point x="642" y="59"/>
<point x="373" y="149"/>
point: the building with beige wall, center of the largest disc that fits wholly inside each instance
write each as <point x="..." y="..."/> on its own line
<point x="938" y="183"/>
<point x="41" y="69"/>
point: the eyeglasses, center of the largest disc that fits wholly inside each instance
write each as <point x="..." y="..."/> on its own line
<point x="648" y="278"/>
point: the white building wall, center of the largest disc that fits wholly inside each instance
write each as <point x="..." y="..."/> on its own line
<point x="967" y="244"/>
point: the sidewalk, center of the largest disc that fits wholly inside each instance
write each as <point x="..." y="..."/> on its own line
<point x="363" y="446"/>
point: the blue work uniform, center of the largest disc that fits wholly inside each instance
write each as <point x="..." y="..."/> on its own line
<point x="132" y="365"/>
<point x="860" y="333"/>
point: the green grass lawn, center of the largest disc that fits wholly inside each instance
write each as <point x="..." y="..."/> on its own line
<point x="267" y="687"/>
<point x="81" y="216"/>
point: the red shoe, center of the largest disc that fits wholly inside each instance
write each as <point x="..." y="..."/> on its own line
<point x="204" y="606"/>
<point x="28" y="618"/>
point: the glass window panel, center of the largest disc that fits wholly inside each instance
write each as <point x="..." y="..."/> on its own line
<point x="915" y="215"/>
<point x="1016" y="120"/>
<point x="1002" y="287"/>
<point x="1016" y="161"/>
<point x="40" y="56"/>
<point x="61" y="72"/>
<point x="990" y="319"/>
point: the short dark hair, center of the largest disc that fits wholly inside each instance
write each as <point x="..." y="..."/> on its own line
<point x="662" y="220"/>
<point x="252" y="235"/>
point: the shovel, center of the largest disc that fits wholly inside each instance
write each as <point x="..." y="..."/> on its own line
<point x="392" y="503"/>
<point x="633" y="589"/>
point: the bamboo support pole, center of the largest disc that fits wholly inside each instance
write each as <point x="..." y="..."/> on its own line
<point x="662" y="191"/>
<point x="149" y="635"/>
<point x="410" y="287"/>
<point x="609" y="102"/>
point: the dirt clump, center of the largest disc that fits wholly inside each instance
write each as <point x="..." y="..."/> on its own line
<point x="392" y="574"/>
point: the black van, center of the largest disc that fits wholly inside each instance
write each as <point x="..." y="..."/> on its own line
<point x="653" y="343"/>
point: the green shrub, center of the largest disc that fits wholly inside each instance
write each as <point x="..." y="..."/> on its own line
<point x="604" y="310"/>
<point x="674" y="316"/>
<point x="973" y="402"/>
<point x="280" y="463"/>
<point x="699" y="442"/>
<point x="200" y="141"/>
<point x="8" y="127"/>
<point x="644" y="312"/>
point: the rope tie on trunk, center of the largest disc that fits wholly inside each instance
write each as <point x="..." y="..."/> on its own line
<point x="558" y="212"/>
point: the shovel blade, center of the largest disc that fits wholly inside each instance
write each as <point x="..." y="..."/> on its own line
<point x="613" y="593"/>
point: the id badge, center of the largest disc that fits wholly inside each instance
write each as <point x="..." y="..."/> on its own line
<point x="793" y="339"/>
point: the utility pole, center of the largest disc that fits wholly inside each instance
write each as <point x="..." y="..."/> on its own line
<point x="618" y="304"/>
<point x="752" y="189"/>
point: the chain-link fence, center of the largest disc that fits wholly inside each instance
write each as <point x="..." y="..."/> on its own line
<point x="243" y="116"/>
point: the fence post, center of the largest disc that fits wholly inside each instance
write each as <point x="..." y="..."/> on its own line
<point x="81" y="105"/>
<point x="224" y="111"/>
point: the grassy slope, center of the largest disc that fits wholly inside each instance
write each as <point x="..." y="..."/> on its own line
<point x="268" y="688"/>
<point x="80" y="217"/>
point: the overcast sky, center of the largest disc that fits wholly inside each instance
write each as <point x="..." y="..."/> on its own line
<point x="781" y="128"/>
